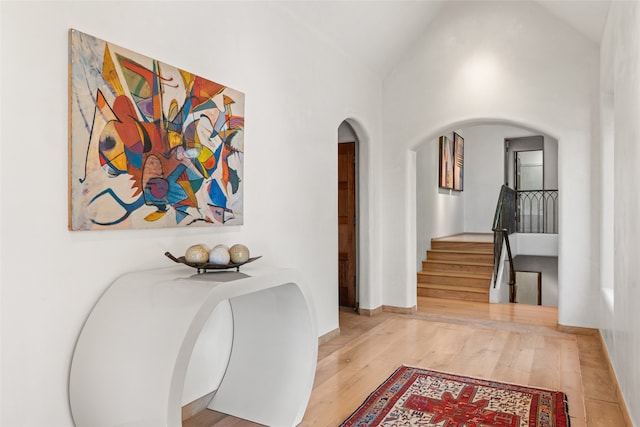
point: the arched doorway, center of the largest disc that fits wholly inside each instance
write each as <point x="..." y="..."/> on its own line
<point x="441" y="213"/>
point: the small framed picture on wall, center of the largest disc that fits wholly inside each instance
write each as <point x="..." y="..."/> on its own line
<point x="458" y="164"/>
<point x="445" y="166"/>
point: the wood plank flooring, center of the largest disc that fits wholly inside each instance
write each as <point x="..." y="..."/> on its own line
<point x="511" y="343"/>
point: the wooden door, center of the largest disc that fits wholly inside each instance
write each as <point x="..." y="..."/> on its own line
<point x="347" y="223"/>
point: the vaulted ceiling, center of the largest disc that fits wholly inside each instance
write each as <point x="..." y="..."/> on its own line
<point x="378" y="32"/>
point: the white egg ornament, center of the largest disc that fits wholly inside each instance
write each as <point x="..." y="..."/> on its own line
<point x="219" y="256"/>
<point x="239" y="254"/>
<point x="197" y="254"/>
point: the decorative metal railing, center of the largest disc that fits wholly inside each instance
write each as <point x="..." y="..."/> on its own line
<point x="504" y="217"/>
<point x="534" y="211"/>
<point x="504" y="224"/>
<point x="537" y="211"/>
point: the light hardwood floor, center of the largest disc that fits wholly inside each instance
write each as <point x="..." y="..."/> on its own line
<point x="512" y="343"/>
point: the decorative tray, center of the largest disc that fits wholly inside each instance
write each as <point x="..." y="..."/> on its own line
<point x="202" y="268"/>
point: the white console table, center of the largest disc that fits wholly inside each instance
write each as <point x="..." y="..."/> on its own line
<point x="133" y="353"/>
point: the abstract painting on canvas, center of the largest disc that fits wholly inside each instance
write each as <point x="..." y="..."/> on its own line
<point x="150" y="145"/>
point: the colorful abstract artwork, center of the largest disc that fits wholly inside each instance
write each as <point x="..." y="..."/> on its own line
<point x="151" y="145"/>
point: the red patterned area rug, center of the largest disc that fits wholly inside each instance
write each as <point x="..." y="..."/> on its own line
<point x="419" y="397"/>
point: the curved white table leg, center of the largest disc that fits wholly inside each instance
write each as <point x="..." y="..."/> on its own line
<point x="131" y="359"/>
<point x="270" y="358"/>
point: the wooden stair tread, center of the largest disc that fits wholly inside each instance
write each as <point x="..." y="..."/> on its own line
<point x="462" y="245"/>
<point x="456" y="274"/>
<point x="476" y="264"/>
<point x="461" y="251"/>
<point x="455" y="288"/>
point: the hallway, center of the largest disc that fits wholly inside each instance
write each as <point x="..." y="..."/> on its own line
<point x="510" y="343"/>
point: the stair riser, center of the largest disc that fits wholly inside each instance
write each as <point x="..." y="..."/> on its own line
<point x="457" y="295"/>
<point x="447" y="280"/>
<point x="457" y="268"/>
<point x="460" y="257"/>
<point x="461" y="246"/>
<point x="454" y="281"/>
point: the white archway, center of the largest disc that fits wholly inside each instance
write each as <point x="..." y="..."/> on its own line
<point x="441" y="212"/>
<point x="369" y="289"/>
<point x="565" y="306"/>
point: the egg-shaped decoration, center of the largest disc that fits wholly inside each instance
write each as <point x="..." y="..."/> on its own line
<point x="239" y="253"/>
<point x="222" y="246"/>
<point x="219" y="256"/>
<point x="197" y="254"/>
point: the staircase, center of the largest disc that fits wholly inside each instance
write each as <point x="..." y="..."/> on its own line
<point x="458" y="267"/>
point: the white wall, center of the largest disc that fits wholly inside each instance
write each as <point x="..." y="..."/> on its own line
<point x="439" y="212"/>
<point x="298" y="91"/>
<point x="484" y="172"/>
<point x="488" y="60"/>
<point x="535" y="244"/>
<point x="620" y="82"/>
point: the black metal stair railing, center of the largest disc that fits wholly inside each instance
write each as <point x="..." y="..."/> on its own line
<point x="533" y="211"/>
<point x="537" y="211"/>
<point x="504" y="223"/>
